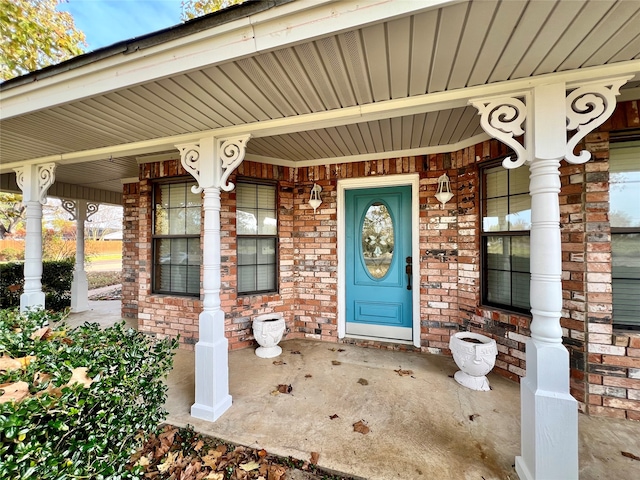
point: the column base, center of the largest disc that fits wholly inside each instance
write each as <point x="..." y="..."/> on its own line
<point x="79" y="292"/>
<point x="212" y="368"/>
<point x="31" y="300"/>
<point x="549" y="416"/>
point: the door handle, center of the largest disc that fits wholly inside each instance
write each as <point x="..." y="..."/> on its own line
<point x="409" y="270"/>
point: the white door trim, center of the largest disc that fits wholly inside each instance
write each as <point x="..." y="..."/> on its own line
<point x="372" y="182"/>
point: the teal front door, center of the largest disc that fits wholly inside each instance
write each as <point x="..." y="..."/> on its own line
<point x="377" y="262"/>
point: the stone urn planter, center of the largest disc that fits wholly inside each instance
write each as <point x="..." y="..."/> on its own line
<point x="268" y="330"/>
<point x="475" y="356"/>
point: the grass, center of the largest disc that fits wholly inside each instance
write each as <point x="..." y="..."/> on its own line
<point x="103" y="279"/>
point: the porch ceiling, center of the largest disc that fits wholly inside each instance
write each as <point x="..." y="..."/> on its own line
<point x="445" y="49"/>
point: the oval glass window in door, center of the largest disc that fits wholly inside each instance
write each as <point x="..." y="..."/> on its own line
<point x="377" y="240"/>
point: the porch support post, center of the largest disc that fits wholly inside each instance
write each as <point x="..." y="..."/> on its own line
<point x="80" y="285"/>
<point x="34" y="181"/>
<point x="211" y="161"/>
<point x="549" y="414"/>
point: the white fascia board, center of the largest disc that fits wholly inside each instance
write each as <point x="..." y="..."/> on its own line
<point x="411" y="152"/>
<point x="282" y="26"/>
<point x="349" y="115"/>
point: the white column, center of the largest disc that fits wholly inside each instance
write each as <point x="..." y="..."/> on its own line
<point x="80" y="285"/>
<point x="211" y="162"/>
<point x="549" y="414"/>
<point x="212" y="372"/>
<point x="34" y="181"/>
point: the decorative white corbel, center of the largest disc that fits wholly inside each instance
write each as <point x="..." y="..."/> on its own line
<point x="70" y="207"/>
<point x="92" y="209"/>
<point x="190" y="160"/>
<point x="45" y="174"/>
<point x="231" y="152"/>
<point x="504" y="118"/>
<point x="588" y="107"/>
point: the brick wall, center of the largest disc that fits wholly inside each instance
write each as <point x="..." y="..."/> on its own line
<point x="605" y="364"/>
<point x="130" y="261"/>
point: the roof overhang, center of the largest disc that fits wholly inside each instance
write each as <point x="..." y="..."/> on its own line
<point x="314" y="82"/>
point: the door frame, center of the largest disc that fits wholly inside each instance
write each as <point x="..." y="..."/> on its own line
<point x="412" y="180"/>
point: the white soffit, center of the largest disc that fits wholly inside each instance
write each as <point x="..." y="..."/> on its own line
<point x="365" y="85"/>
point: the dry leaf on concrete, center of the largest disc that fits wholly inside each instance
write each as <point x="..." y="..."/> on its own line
<point x="404" y="373"/>
<point x="314" y="457"/>
<point x="14" y="392"/>
<point x="363" y="381"/>
<point x="308" y="375"/>
<point x="361" y="427"/>
<point x="278" y="362"/>
<point x="336" y="362"/>
<point x="334" y="416"/>
<point x="630" y="455"/>
<point x="284" y="388"/>
<point x="295" y="352"/>
<point x="474" y="416"/>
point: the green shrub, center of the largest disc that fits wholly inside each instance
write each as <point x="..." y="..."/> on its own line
<point x="11" y="254"/>
<point x="56" y="283"/>
<point x="63" y="431"/>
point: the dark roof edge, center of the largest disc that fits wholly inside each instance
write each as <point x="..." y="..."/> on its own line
<point x="211" y="20"/>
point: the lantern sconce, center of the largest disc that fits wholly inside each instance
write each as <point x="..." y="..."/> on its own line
<point x="315" y="201"/>
<point x="444" y="189"/>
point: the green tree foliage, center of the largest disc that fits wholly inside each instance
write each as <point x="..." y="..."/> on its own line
<point x="196" y="8"/>
<point x="34" y="35"/>
<point x="11" y="212"/>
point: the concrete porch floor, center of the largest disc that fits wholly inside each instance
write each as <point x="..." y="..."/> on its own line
<point x="422" y="426"/>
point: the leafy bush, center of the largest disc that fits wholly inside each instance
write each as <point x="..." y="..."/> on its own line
<point x="11" y="254"/>
<point x="56" y="283"/>
<point x="84" y="429"/>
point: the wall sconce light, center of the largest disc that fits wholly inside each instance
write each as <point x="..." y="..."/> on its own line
<point x="315" y="201"/>
<point x="444" y="189"/>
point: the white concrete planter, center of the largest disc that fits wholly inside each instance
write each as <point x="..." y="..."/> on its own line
<point x="475" y="356"/>
<point x="268" y="330"/>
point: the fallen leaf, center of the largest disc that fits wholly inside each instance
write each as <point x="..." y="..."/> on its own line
<point x="331" y="349"/>
<point x="276" y="472"/>
<point x="336" y="362"/>
<point x="247" y="467"/>
<point x="403" y="373"/>
<point x="308" y="375"/>
<point x="199" y="445"/>
<point x="8" y="363"/>
<point x="630" y="455"/>
<point x="25" y="361"/>
<point x="474" y="416"/>
<point x="284" y="388"/>
<point x="314" y="457"/>
<point x="40" y="334"/>
<point x="40" y="378"/>
<point x="143" y="462"/>
<point x="361" y="427"/>
<point x="295" y="352"/>
<point x="215" y="476"/>
<point x="79" y="375"/>
<point x="211" y="460"/>
<point x="363" y="381"/>
<point x="168" y="462"/>
<point x="278" y="362"/>
<point x="341" y="349"/>
<point x="262" y="453"/>
<point x="334" y="416"/>
<point x="14" y="392"/>
<point x="275" y="392"/>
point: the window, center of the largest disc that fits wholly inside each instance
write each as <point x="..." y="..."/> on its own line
<point x="506" y="221"/>
<point x="257" y="234"/>
<point x="176" y="239"/>
<point x="624" y="216"/>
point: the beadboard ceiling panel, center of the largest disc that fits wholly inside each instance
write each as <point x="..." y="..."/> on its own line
<point x="463" y="44"/>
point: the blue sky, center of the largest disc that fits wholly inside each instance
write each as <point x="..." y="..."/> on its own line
<point x="105" y="22"/>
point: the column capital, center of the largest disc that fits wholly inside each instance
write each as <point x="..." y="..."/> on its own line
<point x="212" y="160"/>
<point x="35" y="180"/>
<point x="508" y="117"/>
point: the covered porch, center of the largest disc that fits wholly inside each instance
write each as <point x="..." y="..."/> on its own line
<point x="421" y="424"/>
<point x="353" y="95"/>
